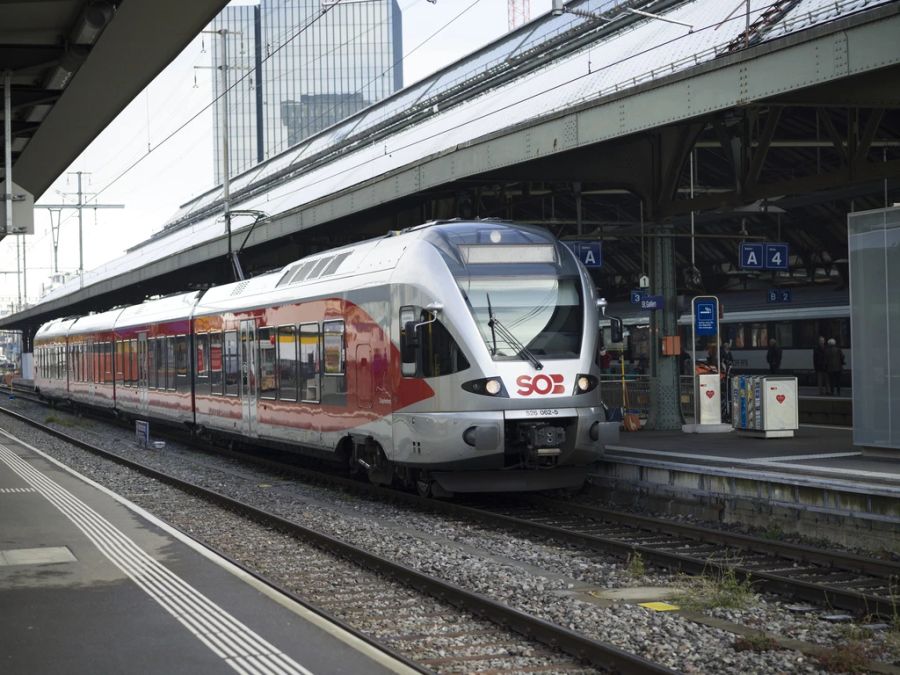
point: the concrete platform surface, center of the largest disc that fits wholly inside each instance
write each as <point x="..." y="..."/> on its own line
<point x="90" y="583"/>
<point x="816" y="451"/>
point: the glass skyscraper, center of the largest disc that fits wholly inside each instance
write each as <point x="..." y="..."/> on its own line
<point x="305" y="64"/>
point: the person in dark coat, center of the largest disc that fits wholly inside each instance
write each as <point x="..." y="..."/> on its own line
<point x="819" y="366"/>
<point x="834" y="364"/>
<point x="773" y="356"/>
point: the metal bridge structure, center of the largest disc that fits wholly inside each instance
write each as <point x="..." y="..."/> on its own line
<point x="667" y="129"/>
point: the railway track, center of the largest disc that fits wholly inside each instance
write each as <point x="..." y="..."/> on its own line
<point x="864" y="586"/>
<point x="486" y="631"/>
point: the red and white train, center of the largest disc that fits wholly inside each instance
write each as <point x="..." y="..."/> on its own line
<point x="455" y="356"/>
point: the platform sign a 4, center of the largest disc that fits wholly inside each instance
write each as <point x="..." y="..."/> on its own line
<point x="776" y="256"/>
<point x="752" y="256"/>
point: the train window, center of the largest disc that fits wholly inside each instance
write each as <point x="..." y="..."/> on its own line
<point x="309" y="362"/>
<point x="95" y="362"/>
<point x="232" y="363"/>
<point x="201" y="363"/>
<point x="334" y="384"/>
<point x="740" y="340"/>
<point x="287" y="364"/>
<point x="170" y="363"/>
<point x="119" y="361"/>
<point x="134" y="362"/>
<point x="333" y="345"/>
<point x="107" y="362"/>
<point x="759" y="335"/>
<point x="181" y="364"/>
<point x="155" y="353"/>
<point x="440" y="353"/>
<point x="215" y="363"/>
<point x="784" y="334"/>
<point x="126" y="362"/>
<point x="267" y="384"/>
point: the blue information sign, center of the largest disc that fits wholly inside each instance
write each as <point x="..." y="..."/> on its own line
<point x="653" y="302"/>
<point x="752" y="256"/>
<point x="590" y="253"/>
<point x="777" y="256"/>
<point x="637" y="295"/>
<point x="706" y="317"/>
<point x="779" y="295"/>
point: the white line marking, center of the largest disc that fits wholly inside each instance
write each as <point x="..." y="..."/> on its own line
<point x="171" y="592"/>
<point x="376" y="655"/>
<point x="842" y="427"/>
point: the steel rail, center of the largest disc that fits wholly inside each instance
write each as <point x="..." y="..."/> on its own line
<point x="599" y="654"/>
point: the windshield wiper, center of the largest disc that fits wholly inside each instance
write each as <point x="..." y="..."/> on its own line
<point x="497" y="327"/>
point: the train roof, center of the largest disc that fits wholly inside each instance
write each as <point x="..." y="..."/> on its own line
<point x="55" y="328"/>
<point x="169" y="308"/>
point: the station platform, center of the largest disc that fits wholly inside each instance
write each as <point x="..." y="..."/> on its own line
<point x="816" y="484"/>
<point x="92" y="583"/>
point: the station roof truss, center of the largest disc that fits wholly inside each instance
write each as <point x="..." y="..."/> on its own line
<point x="75" y="65"/>
<point x="589" y="126"/>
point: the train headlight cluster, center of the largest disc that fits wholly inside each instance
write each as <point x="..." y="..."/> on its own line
<point x="488" y="386"/>
<point x="585" y="383"/>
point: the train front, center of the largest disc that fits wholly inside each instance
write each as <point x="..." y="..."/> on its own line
<point x="528" y="407"/>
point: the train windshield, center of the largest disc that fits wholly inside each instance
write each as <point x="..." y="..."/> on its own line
<point x="543" y="314"/>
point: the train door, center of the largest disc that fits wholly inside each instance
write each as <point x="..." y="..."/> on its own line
<point x="248" y="375"/>
<point x="143" y="393"/>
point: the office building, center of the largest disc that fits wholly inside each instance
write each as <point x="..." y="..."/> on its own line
<point x="295" y="67"/>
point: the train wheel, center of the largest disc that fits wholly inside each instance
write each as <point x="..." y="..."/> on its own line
<point x="424" y="486"/>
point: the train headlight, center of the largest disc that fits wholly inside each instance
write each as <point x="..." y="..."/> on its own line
<point x="489" y="386"/>
<point x="585" y="383"/>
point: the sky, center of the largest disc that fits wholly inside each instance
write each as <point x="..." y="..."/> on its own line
<point x="152" y="158"/>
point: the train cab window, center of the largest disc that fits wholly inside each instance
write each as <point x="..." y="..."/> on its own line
<point x="408" y="355"/>
<point x="216" y="360"/>
<point x="287" y="363"/>
<point x="232" y="363"/>
<point x="267" y="384"/>
<point x="309" y="362"/>
<point x="182" y="383"/>
<point x="440" y="353"/>
<point x="334" y="382"/>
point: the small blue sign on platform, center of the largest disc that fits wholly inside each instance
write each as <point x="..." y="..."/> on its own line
<point x="752" y="256"/>
<point x="706" y="317"/>
<point x="637" y="295"/>
<point x="779" y="295"/>
<point x="777" y="256"/>
<point x="653" y="302"/>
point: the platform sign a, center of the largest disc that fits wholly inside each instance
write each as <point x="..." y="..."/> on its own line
<point x="777" y="256"/>
<point x="752" y="256"/>
<point x="706" y="317"/>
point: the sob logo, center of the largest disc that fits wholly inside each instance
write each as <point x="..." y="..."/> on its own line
<point x="540" y="384"/>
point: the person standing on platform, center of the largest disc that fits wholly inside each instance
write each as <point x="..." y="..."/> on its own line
<point x="819" y="366"/>
<point x="834" y="363"/>
<point x="773" y="357"/>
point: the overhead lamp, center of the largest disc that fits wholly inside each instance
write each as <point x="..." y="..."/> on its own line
<point x="91" y="22"/>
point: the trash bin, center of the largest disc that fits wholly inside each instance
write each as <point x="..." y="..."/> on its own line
<point x="764" y="406"/>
